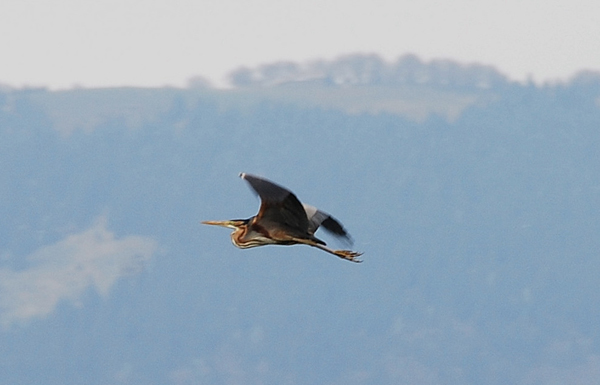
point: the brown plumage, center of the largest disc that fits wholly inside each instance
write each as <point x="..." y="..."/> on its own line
<point x="283" y="220"/>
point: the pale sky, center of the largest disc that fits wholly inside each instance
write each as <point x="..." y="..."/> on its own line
<point x="66" y="43"/>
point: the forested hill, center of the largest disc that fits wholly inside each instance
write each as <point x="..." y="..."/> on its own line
<point x="476" y="203"/>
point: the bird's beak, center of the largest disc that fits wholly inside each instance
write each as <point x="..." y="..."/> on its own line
<point x="229" y="224"/>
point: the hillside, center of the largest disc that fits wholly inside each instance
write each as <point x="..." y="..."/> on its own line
<point x="477" y="209"/>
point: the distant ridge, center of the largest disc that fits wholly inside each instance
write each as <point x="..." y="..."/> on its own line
<point x="355" y="84"/>
<point x="371" y="69"/>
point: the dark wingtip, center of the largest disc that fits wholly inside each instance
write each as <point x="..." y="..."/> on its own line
<point x="335" y="227"/>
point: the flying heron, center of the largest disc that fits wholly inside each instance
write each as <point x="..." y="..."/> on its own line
<point x="283" y="220"/>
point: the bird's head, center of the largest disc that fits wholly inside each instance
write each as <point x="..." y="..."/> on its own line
<point x="240" y="230"/>
<point x="232" y="223"/>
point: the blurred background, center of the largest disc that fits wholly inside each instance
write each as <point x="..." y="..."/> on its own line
<point x="472" y="185"/>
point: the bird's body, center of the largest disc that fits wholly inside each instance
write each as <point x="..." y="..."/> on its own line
<point x="283" y="220"/>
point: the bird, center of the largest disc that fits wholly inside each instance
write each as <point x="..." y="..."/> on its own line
<point x="283" y="220"/>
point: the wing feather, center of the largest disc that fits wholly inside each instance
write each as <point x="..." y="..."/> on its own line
<point x="278" y="204"/>
<point x="318" y="218"/>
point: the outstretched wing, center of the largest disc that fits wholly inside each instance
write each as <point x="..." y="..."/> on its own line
<point x="278" y="205"/>
<point x="318" y="218"/>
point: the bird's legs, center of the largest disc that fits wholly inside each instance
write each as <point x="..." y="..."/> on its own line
<point x="348" y="255"/>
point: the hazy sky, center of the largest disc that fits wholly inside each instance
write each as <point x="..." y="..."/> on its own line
<point x="62" y="43"/>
